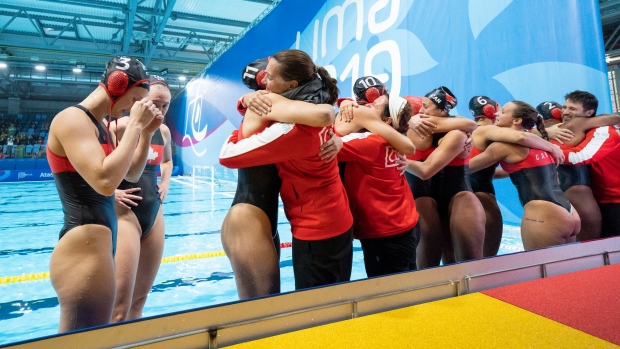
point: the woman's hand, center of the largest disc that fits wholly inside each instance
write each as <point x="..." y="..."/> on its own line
<point x="162" y="188"/>
<point x="142" y="113"/>
<point x="421" y="126"/>
<point x="559" y="134"/>
<point x="346" y="110"/>
<point x="125" y="197"/>
<point x="402" y="163"/>
<point x="557" y="154"/>
<point x="257" y="102"/>
<point x="330" y="149"/>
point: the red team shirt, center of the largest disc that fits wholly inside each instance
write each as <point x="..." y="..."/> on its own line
<point x="315" y="201"/>
<point x="600" y="150"/>
<point x="380" y="198"/>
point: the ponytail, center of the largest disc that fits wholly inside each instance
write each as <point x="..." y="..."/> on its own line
<point x="330" y="82"/>
<point x="540" y="126"/>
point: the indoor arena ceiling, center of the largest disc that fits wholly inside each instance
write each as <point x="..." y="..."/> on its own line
<point x="180" y="37"/>
<point x="177" y="37"/>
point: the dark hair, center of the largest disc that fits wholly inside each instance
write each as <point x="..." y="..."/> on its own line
<point x="403" y="117"/>
<point x="587" y="100"/>
<point x="297" y="65"/>
<point x="529" y="117"/>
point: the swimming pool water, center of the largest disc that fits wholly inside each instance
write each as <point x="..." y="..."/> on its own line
<point x="31" y="217"/>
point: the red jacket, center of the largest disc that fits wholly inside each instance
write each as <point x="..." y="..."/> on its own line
<point x="600" y="149"/>
<point x="381" y="201"/>
<point x="315" y="201"/>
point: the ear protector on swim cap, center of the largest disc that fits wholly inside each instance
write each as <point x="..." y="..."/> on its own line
<point x="368" y="88"/>
<point x="550" y="110"/>
<point x="483" y="107"/>
<point x="121" y="74"/>
<point x="416" y="104"/>
<point x="254" y="73"/>
<point x="443" y="98"/>
<point x="157" y="80"/>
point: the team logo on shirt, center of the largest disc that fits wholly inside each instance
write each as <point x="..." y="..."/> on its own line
<point x="391" y="157"/>
<point x="286" y="127"/>
<point x="152" y="154"/>
<point x="324" y="135"/>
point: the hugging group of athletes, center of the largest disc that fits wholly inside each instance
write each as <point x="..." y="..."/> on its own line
<point x="411" y="181"/>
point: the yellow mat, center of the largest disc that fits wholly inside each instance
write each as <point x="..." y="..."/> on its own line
<point x="471" y="321"/>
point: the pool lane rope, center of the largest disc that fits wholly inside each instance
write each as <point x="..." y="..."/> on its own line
<point x="169" y="259"/>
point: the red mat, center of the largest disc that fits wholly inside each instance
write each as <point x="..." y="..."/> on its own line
<point x="587" y="300"/>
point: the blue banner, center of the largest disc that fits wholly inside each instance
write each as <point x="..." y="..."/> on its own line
<point x="528" y="50"/>
<point x="25" y="175"/>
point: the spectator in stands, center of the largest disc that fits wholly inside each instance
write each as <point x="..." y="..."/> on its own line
<point x="3" y="137"/>
<point x="10" y="140"/>
<point x="31" y="139"/>
<point x="19" y="139"/>
<point x="12" y="130"/>
<point x="40" y="140"/>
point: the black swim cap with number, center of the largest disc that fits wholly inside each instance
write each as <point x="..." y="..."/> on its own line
<point x="122" y="73"/>
<point x="443" y="98"/>
<point x="368" y="88"/>
<point x="550" y="110"/>
<point x="254" y="73"/>
<point x="483" y="107"/>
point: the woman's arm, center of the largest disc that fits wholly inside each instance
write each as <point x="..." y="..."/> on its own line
<point x="75" y="138"/>
<point x="447" y="124"/>
<point x="142" y="150"/>
<point x="492" y="155"/>
<point x="586" y="124"/>
<point x="297" y="112"/>
<point x="451" y="146"/>
<point x="367" y="118"/>
<point x="278" y="142"/>
<point x="493" y="133"/>
<point x="166" y="163"/>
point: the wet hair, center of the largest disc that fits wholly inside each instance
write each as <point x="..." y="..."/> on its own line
<point x="529" y="117"/>
<point x="587" y="100"/>
<point x="297" y="65"/>
<point x="403" y="117"/>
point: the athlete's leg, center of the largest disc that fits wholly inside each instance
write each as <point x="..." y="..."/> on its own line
<point x="247" y="240"/>
<point x="126" y="261"/>
<point x="151" y="250"/>
<point x="582" y="199"/>
<point x="467" y="223"/>
<point x="493" y="226"/>
<point x="431" y="239"/>
<point x="82" y="274"/>
<point x="546" y="224"/>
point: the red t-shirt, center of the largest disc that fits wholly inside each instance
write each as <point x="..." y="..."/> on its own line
<point x="381" y="201"/>
<point x="315" y="201"/>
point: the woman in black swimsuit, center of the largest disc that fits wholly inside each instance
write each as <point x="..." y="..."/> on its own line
<point x="87" y="170"/>
<point x="140" y="216"/>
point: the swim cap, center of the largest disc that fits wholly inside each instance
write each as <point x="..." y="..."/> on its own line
<point x="253" y="74"/>
<point x="483" y="107"/>
<point x="368" y="88"/>
<point x="550" y="110"/>
<point x="122" y="73"/>
<point x="158" y="80"/>
<point x="443" y="98"/>
<point x="416" y="104"/>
